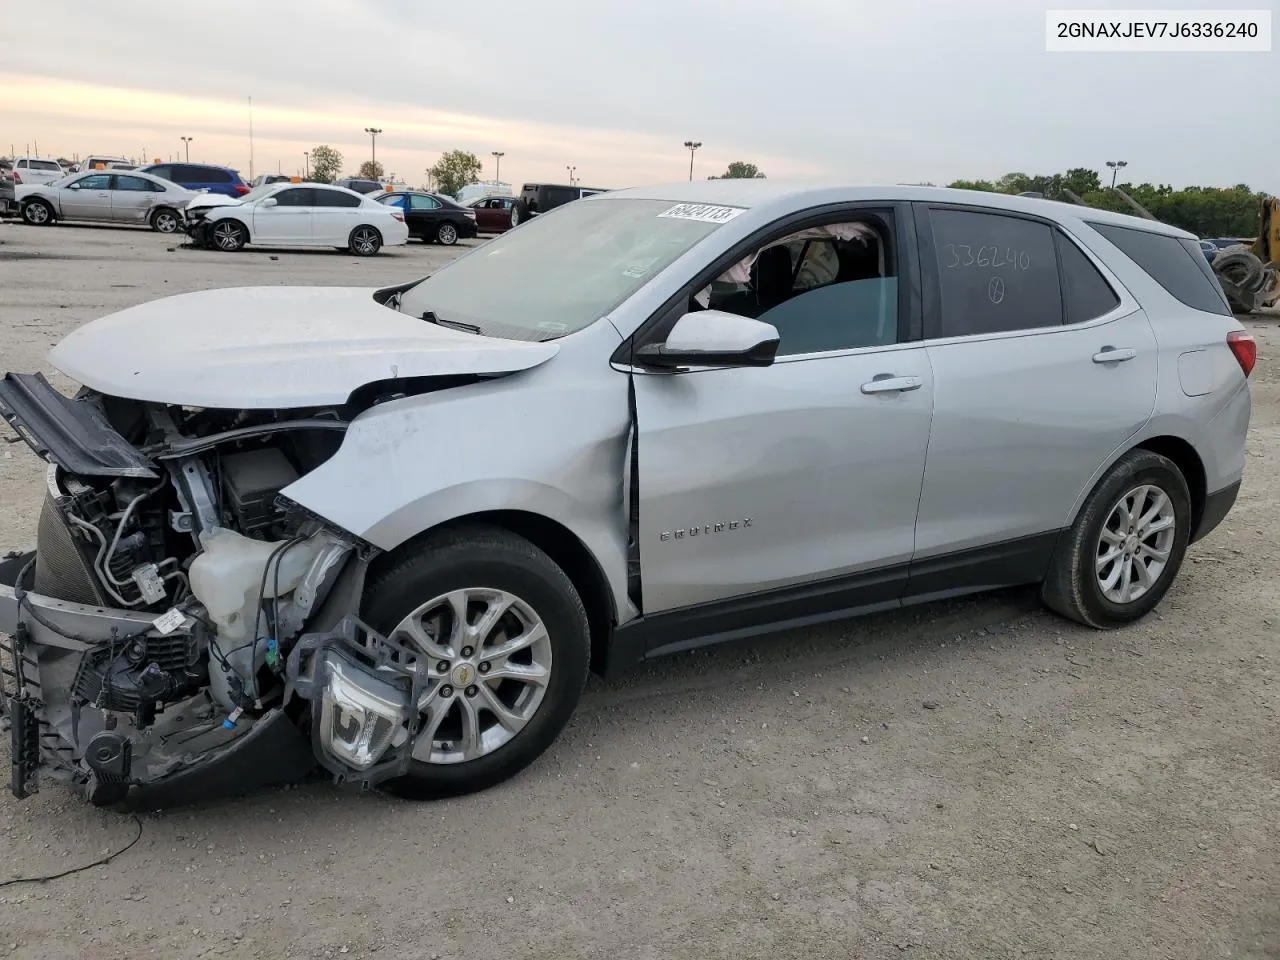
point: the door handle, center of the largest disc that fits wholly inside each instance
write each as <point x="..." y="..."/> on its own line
<point x="1114" y="354"/>
<point x="886" y="383"/>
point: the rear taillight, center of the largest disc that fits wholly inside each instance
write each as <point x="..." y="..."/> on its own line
<point x="17" y="177"/>
<point x="470" y="214"/>
<point x="1245" y="349"/>
<point x="398" y="216"/>
<point x="241" y="189"/>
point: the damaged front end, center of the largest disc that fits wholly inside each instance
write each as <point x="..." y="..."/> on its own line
<point x="183" y="630"/>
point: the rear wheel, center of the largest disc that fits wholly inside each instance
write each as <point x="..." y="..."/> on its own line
<point x="229" y="235"/>
<point x="447" y="234"/>
<point x="37" y="213"/>
<point x="365" y="241"/>
<point x="1126" y="546"/>
<point x="165" y="220"/>
<point x="505" y="636"/>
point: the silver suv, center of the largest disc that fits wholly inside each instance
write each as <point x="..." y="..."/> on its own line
<point x="390" y="532"/>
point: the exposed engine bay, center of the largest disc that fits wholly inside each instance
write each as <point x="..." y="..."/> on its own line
<point x="236" y="657"/>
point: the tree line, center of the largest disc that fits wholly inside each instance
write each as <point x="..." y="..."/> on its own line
<point x="1205" y="211"/>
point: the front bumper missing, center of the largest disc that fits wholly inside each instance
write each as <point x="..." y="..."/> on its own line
<point x="186" y="757"/>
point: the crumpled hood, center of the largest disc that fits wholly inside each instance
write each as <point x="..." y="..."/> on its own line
<point x="273" y="348"/>
<point x="203" y="199"/>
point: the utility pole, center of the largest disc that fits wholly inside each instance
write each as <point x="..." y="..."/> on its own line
<point x="1115" y="166"/>
<point x="497" y="170"/>
<point x="306" y="164"/>
<point x="373" y="142"/>
<point x="186" y="145"/>
<point x="572" y="171"/>
<point x="691" y="145"/>
<point x="251" y="138"/>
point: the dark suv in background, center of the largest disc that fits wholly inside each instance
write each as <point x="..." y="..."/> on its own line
<point x="359" y="184"/>
<point x="536" y="198"/>
<point x="200" y="176"/>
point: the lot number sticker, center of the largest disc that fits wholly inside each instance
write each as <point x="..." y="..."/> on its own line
<point x="703" y="212"/>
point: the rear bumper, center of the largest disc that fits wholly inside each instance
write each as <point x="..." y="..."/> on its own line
<point x="1216" y="507"/>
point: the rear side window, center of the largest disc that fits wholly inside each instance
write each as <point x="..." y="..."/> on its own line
<point x="996" y="273"/>
<point x="1085" y="292"/>
<point x="333" y="198"/>
<point x="194" y="174"/>
<point x="164" y="173"/>
<point x="1175" y="264"/>
<point x="136" y="184"/>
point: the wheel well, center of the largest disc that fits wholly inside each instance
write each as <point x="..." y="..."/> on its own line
<point x="568" y="552"/>
<point x="1188" y="461"/>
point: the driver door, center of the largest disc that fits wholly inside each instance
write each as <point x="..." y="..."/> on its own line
<point x="288" y="221"/>
<point x="88" y="198"/>
<point x="805" y="474"/>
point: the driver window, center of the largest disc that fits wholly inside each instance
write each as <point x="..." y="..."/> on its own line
<point x="825" y="288"/>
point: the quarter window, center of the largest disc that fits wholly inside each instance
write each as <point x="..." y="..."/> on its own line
<point x="1174" y="263"/>
<point x="1085" y="291"/>
<point x="996" y="273"/>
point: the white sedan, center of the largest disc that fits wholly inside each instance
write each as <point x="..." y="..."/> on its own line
<point x="296" y="215"/>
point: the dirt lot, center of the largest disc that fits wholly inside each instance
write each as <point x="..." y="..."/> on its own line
<point x="1066" y="793"/>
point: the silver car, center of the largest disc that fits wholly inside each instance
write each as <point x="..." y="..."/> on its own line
<point x="389" y="532"/>
<point x="104" y="196"/>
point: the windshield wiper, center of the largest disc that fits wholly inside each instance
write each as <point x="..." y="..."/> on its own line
<point x="430" y="317"/>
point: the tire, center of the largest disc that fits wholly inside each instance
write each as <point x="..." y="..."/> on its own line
<point x="37" y="213"/>
<point x="446" y="234"/>
<point x="1075" y="586"/>
<point x="228" y="235"/>
<point x="483" y="558"/>
<point x="365" y="241"/>
<point x="166" y="220"/>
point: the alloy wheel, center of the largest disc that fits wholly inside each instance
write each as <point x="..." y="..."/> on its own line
<point x="1135" y="543"/>
<point x="487" y="659"/>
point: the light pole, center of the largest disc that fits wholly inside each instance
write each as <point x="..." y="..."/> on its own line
<point x="572" y="171"/>
<point x="306" y="164"/>
<point x="497" y="160"/>
<point x="1115" y="166"/>
<point x="691" y="145"/>
<point x="186" y="146"/>
<point x="373" y="142"/>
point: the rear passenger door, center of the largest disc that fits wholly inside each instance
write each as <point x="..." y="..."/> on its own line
<point x="333" y="217"/>
<point x="1043" y="366"/>
<point x="132" y="198"/>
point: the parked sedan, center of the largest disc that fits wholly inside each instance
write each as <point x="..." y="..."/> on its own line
<point x="494" y="214"/>
<point x="432" y="217"/>
<point x="106" y="197"/>
<point x="296" y="215"/>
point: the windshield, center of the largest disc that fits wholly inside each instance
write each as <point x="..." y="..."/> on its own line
<point x="562" y="271"/>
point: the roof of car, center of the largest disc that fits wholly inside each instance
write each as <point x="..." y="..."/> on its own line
<point x="792" y="194"/>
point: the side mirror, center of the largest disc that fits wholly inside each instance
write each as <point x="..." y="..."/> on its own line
<point x="711" y="338"/>
<point x="270" y="202"/>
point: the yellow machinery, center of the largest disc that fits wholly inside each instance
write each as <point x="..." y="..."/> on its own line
<point x="1250" y="273"/>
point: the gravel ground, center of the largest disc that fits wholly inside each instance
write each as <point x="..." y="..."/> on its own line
<point x="970" y="779"/>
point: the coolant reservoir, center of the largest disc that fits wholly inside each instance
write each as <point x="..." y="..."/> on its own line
<point x="228" y="579"/>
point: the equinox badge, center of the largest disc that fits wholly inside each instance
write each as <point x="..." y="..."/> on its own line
<point x="705" y="530"/>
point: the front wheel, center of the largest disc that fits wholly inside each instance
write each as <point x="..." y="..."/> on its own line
<point x="37" y="213"/>
<point x="1123" y="552"/>
<point x="447" y="234"/>
<point x="365" y="241"/>
<point x="505" y="639"/>
<point x="229" y="235"/>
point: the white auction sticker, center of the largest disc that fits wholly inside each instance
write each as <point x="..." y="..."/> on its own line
<point x="169" y="622"/>
<point x="703" y="212"/>
<point x="1158" y="31"/>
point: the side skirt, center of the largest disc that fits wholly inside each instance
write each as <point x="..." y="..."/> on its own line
<point x="1007" y="564"/>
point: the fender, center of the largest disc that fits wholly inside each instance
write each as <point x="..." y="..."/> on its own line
<point x="551" y="441"/>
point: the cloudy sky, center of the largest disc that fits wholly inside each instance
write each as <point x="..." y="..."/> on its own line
<point x="867" y="90"/>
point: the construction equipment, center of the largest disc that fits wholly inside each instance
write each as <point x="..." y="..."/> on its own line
<point x="1250" y="273"/>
